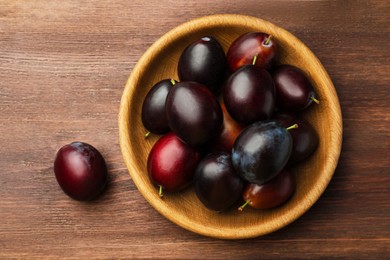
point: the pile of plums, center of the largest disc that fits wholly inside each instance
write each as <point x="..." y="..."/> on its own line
<point x="230" y="126"/>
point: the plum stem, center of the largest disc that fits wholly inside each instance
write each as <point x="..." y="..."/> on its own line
<point x="243" y="205"/>
<point x="315" y="100"/>
<point x="254" y="60"/>
<point x="268" y="40"/>
<point x="160" y="191"/>
<point x="147" y="134"/>
<point x="173" y="82"/>
<point x="292" y="127"/>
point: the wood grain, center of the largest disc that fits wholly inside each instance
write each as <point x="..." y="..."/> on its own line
<point x="63" y="67"/>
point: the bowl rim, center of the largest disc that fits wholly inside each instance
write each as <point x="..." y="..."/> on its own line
<point x="125" y="137"/>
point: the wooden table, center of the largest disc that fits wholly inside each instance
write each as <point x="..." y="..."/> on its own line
<point x="63" y="66"/>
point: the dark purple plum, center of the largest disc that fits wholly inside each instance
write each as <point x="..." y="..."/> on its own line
<point x="305" y="137"/>
<point x="270" y="194"/>
<point x="154" y="117"/>
<point x="217" y="185"/>
<point x="203" y="61"/>
<point x="242" y="51"/>
<point x="293" y="90"/>
<point x="194" y="113"/>
<point x="171" y="163"/>
<point x="80" y="171"/>
<point x="261" y="151"/>
<point x="249" y="95"/>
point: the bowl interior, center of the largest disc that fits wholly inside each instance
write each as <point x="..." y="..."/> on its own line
<point x="184" y="209"/>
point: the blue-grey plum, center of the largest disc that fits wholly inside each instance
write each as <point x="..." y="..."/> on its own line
<point x="261" y="151"/>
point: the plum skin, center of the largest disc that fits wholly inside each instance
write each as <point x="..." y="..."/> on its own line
<point x="80" y="171"/>
<point x="272" y="193"/>
<point x="171" y="163"/>
<point x="230" y="130"/>
<point x="203" y="61"/>
<point x="193" y="113"/>
<point x="242" y="51"/>
<point x="261" y="151"/>
<point x="249" y="95"/>
<point x="293" y="90"/>
<point x="305" y="137"/>
<point x="217" y="185"/>
<point x="153" y="113"/>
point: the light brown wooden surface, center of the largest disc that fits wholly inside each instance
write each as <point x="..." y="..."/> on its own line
<point x="184" y="208"/>
<point x="63" y="67"/>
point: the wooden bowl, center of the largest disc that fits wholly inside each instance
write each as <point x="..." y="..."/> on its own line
<point x="184" y="208"/>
